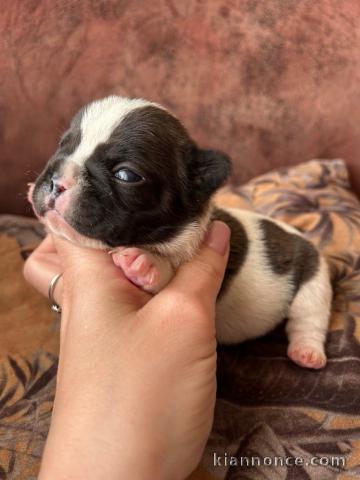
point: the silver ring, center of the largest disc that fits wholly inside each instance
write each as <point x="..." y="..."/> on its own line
<point x="54" y="306"/>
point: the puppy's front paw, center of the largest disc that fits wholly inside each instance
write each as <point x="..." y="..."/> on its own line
<point x="139" y="267"/>
<point x="307" y="356"/>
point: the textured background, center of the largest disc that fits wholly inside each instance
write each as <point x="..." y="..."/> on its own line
<point x="271" y="82"/>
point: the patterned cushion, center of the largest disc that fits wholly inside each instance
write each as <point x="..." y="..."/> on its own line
<point x="267" y="406"/>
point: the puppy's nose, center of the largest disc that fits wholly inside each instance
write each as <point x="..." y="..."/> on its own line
<point x="56" y="188"/>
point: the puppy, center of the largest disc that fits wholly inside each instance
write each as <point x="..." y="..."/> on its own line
<point x="127" y="177"/>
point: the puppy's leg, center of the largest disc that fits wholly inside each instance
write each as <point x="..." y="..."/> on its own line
<point x="146" y="270"/>
<point x="308" y="320"/>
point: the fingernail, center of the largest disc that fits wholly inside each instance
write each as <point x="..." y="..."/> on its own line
<point x="218" y="237"/>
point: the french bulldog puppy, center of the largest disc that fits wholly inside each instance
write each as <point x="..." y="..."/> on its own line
<point x="127" y="177"/>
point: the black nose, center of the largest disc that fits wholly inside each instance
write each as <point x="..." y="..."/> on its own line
<point x="56" y="188"/>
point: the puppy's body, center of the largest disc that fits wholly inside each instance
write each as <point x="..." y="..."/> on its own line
<point x="273" y="273"/>
<point x="127" y="177"/>
<point x="280" y="275"/>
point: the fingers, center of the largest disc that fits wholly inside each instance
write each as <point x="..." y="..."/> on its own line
<point x="202" y="277"/>
<point x="39" y="273"/>
<point x="42" y="265"/>
<point x="71" y="255"/>
<point x="198" y="279"/>
<point x="47" y="245"/>
<point x="92" y="272"/>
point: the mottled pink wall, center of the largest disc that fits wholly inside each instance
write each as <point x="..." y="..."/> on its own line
<point x="271" y="82"/>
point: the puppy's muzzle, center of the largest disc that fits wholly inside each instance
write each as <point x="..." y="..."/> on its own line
<point x="57" y="188"/>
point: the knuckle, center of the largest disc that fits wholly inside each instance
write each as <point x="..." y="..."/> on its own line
<point x="187" y="305"/>
<point x="207" y="268"/>
<point x="198" y="309"/>
<point x="176" y="302"/>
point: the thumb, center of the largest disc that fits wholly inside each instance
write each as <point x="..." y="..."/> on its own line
<point x="203" y="275"/>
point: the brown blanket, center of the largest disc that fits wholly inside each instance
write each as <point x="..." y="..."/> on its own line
<point x="28" y="363"/>
<point x="267" y="406"/>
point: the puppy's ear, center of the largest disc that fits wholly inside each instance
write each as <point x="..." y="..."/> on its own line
<point x="209" y="169"/>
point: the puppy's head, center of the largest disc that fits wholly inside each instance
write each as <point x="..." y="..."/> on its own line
<point x="126" y="173"/>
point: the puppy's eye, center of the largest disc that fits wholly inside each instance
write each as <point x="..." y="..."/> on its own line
<point x="127" y="175"/>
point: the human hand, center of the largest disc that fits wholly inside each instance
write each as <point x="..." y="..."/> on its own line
<point x="42" y="266"/>
<point x="136" y="380"/>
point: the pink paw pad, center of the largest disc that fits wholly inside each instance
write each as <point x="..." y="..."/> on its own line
<point x="137" y="266"/>
<point x="307" y="356"/>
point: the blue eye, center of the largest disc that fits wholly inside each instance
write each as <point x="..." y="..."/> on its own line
<point x="127" y="175"/>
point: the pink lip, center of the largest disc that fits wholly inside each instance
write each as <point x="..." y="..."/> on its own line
<point x="54" y="219"/>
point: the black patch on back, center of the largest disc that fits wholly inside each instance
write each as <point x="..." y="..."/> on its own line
<point x="239" y="245"/>
<point x="287" y="252"/>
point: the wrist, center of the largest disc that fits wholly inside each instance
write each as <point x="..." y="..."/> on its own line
<point x="88" y="458"/>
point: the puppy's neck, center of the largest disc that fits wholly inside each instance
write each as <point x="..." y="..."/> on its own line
<point x="185" y="244"/>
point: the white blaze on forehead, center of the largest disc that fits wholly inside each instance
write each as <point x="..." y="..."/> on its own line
<point x="99" y="120"/>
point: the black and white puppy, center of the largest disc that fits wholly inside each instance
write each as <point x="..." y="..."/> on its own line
<point x="128" y="178"/>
